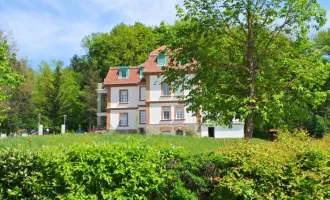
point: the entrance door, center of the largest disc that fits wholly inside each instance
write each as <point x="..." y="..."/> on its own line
<point x="211" y="131"/>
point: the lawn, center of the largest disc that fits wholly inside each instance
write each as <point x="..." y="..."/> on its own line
<point x="191" y="143"/>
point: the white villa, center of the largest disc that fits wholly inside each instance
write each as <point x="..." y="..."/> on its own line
<point x="134" y="98"/>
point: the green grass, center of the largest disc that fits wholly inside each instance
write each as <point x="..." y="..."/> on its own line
<point x="191" y="143"/>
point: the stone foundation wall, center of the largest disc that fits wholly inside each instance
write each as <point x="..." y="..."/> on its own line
<point x="126" y="131"/>
<point x="187" y="129"/>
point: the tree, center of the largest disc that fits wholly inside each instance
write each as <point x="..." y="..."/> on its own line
<point x="163" y="32"/>
<point x="90" y="99"/>
<point x="9" y="80"/>
<point x="124" y="45"/>
<point x="57" y="93"/>
<point x="322" y="41"/>
<point x="88" y="78"/>
<point x="20" y="102"/>
<point x="250" y="59"/>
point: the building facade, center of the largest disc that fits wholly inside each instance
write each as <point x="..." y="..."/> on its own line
<point x="138" y="101"/>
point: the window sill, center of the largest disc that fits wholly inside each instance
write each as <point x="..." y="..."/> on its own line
<point x="182" y="95"/>
<point x="123" y="126"/>
<point x="165" y="96"/>
<point x="179" y="119"/>
<point x="142" y="123"/>
<point x="166" y="120"/>
<point x="123" y="102"/>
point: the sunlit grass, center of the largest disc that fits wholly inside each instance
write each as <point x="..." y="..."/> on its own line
<point x="188" y="142"/>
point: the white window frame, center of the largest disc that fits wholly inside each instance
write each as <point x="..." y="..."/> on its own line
<point x="164" y="85"/>
<point x="179" y="115"/>
<point x="142" y="96"/>
<point x="166" y="109"/>
<point x="121" y="119"/>
<point x="143" y="120"/>
<point x="121" y="92"/>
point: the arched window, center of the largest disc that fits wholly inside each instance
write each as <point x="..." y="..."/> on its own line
<point x="179" y="132"/>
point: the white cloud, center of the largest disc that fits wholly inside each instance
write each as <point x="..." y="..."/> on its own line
<point x="57" y="32"/>
<point x="149" y="12"/>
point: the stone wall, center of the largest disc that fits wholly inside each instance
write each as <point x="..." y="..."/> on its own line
<point x="187" y="129"/>
<point x="127" y="131"/>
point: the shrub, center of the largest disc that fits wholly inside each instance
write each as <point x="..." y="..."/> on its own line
<point x="295" y="167"/>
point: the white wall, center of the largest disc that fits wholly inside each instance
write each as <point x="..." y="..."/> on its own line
<point x="237" y="131"/>
<point x="133" y="97"/>
<point x="155" y="90"/>
<point x="156" y="114"/>
<point x="132" y="119"/>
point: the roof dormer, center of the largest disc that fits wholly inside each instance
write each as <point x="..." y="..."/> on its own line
<point x="123" y="72"/>
<point x="161" y="60"/>
<point x="141" y="71"/>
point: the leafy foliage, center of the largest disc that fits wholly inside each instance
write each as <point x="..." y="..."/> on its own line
<point x="124" y="46"/>
<point x="250" y="59"/>
<point x="57" y="93"/>
<point x="20" y="112"/>
<point x="294" y="167"/>
<point x="322" y="41"/>
<point x="9" y="80"/>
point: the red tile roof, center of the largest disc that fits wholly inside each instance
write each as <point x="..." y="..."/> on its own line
<point x="159" y="50"/>
<point x="113" y="76"/>
<point x="150" y="66"/>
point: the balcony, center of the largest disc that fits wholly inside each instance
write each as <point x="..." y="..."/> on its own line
<point x="101" y="89"/>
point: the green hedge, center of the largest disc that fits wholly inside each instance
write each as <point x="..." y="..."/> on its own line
<point x="293" y="167"/>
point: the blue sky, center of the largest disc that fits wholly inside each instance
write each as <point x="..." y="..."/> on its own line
<point x="53" y="29"/>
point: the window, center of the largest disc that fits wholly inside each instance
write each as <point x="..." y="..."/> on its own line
<point x="123" y="119"/>
<point x="166" y="114"/>
<point x="179" y="132"/>
<point x="165" y="89"/>
<point x="141" y="72"/>
<point x="142" y="116"/>
<point x="123" y="94"/>
<point x="179" y="112"/>
<point x="142" y="93"/>
<point x="161" y="60"/>
<point x="179" y="91"/>
<point x="123" y="72"/>
<point x="103" y="102"/>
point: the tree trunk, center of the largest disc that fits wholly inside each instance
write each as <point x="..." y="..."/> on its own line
<point x="89" y="124"/>
<point x="248" y="127"/>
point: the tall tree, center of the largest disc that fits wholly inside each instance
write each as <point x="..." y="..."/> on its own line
<point x="253" y="58"/>
<point x="57" y="93"/>
<point x="9" y="80"/>
<point x="20" y="103"/>
<point x="124" y="45"/>
<point x="89" y="78"/>
<point x="90" y="99"/>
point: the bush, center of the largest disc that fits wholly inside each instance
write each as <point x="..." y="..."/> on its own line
<point x="295" y="167"/>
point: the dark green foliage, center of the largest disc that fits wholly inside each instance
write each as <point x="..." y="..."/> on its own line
<point x="124" y="45"/>
<point x="88" y="79"/>
<point x="57" y="93"/>
<point x="295" y="167"/>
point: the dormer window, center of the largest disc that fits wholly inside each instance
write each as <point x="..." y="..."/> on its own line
<point x="141" y="72"/>
<point x="123" y="72"/>
<point x="161" y="60"/>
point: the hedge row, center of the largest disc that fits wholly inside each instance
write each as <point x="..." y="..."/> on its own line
<point x="293" y="168"/>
